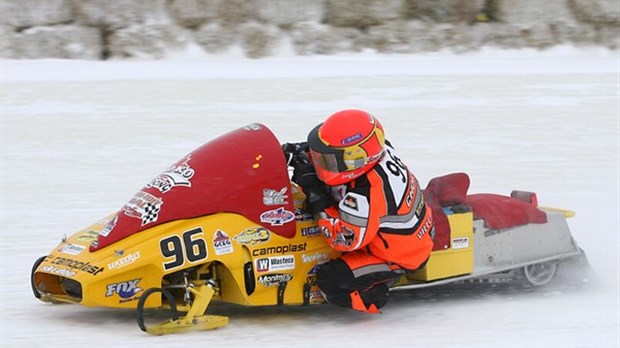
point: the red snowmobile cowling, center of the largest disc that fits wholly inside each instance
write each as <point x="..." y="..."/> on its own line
<point x="241" y="172"/>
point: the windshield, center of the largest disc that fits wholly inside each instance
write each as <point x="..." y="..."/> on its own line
<point x="235" y="173"/>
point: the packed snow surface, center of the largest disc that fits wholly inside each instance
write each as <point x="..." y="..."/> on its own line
<point x="80" y="138"/>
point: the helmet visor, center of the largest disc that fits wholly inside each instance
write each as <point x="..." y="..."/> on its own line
<point x="327" y="161"/>
<point x="323" y="156"/>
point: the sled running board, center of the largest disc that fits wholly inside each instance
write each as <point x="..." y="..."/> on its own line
<point x="478" y="274"/>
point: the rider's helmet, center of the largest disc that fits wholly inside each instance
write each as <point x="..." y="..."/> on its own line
<point x="347" y="145"/>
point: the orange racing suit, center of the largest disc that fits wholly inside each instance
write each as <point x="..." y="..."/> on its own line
<point x="383" y="226"/>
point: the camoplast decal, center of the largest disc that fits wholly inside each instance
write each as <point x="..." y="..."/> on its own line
<point x="76" y="265"/>
<point x="273" y="197"/>
<point x="126" y="290"/>
<point x="124" y="261"/>
<point x="276" y="263"/>
<point x="143" y="206"/>
<point x="277" y="217"/>
<point x="253" y="236"/>
<point x="71" y="249"/>
<point x="280" y="249"/>
<point x="222" y="243"/>
<point x="268" y="280"/>
<point x="109" y="226"/>
<point x="175" y="175"/>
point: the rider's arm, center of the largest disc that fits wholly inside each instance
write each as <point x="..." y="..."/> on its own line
<point x="353" y="225"/>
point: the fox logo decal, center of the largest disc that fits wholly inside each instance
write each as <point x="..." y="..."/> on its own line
<point x="125" y="290"/>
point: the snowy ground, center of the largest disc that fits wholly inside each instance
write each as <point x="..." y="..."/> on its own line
<point x="79" y="138"/>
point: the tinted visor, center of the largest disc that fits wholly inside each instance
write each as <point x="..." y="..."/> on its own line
<point x="323" y="156"/>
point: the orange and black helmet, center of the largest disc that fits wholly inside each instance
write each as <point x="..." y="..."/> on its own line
<point x="347" y="145"/>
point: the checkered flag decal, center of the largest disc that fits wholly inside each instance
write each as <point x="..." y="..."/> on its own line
<point x="151" y="212"/>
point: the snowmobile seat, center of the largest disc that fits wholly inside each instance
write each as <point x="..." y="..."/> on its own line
<point x="446" y="195"/>
<point x="501" y="212"/>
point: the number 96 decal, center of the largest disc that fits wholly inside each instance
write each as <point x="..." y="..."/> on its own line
<point x="176" y="250"/>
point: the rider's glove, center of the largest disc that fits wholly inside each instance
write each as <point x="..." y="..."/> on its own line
<point x="341" y="239"/>
<point x="295" y="148"/>
<point x="317" y="195"/>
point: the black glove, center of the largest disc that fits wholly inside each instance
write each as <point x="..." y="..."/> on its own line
<point x="294" y="148"/>
<point x="318" y="197"/>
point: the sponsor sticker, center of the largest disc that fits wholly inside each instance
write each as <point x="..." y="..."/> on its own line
<point x="222" y="243"/>
<point x="277" y="263"/>
<point x="253" y="127"/>
<point x="88" y="236"/>
<point x="175" y="175"/>
<point x="314" y="294"/>
<point x="460" y="243"/>
<point x="75" y="265"/>
<point x="126" y="290"/>
<point x="280" y="249"/>
<point x="268" y="280"/>
<point x="310" y="231"/>
<point x="253" y="236"/>
<point x="71" y="249"/>
<point x="273" y="197"/>
<point x="109" y="226"/>
<point x="277" y="217"/>
<point x="316" y="257"/>
<point x="350" y="202"/>
<point x="350" y="139"/>
<point x="311" y="280"/>
<point x="143" y="206"/>
<point x="427" y="226"/>
<point x="58" y="271"/>
<point x="315" y="297"/>
<point x="128" y="259"/>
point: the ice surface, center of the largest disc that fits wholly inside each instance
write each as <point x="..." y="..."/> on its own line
<point x="79" y="138"/>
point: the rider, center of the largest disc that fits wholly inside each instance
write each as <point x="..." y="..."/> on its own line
<point x="372" y="209"/>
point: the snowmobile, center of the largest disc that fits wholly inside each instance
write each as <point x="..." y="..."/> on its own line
<point x="227" y="223"/>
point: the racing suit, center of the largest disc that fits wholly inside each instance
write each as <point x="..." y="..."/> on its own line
<point x="383" y="227"/>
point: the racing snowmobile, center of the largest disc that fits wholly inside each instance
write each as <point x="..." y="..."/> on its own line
<point x="233" y="227"/>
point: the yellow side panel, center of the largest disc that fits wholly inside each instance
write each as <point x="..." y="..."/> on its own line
<point x="456" y="260"/>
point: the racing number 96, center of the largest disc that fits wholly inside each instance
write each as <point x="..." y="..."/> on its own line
<point x="192" y="248"/>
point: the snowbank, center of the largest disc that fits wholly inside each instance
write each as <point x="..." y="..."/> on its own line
<point x="151" y="29"/>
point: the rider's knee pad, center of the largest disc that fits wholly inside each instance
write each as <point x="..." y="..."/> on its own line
<point x="340" y="287"/>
